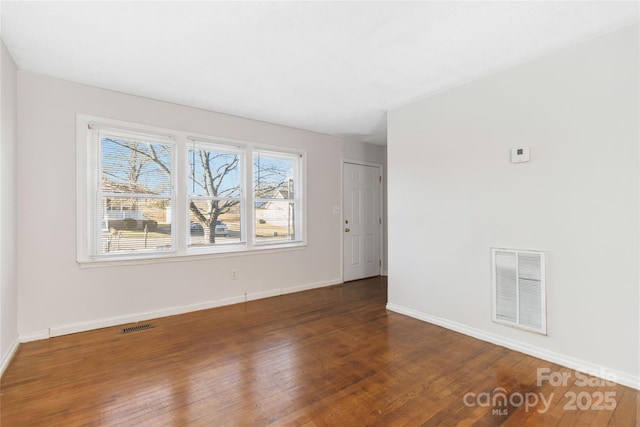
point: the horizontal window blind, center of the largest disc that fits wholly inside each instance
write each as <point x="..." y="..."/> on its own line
<point x="132" y="208"/>
<point x="276" y="187"/>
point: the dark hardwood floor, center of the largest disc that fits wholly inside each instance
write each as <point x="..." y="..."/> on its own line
<point x="325" y="357"/>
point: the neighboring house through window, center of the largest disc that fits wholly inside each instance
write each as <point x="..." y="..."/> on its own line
<point x="145" y="192"/>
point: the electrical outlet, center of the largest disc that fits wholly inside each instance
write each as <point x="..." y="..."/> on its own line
<point x="234" y="274"/>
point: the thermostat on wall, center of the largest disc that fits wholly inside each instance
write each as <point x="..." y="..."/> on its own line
<point x="519" y="155"/>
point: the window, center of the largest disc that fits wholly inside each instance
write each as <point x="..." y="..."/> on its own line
<point x="215" y="176"/>
<point x="277" y="210"/>
<point x="134" y="197"/>
<point x="145" y="192"/>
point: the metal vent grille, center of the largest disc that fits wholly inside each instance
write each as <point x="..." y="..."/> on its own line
<point x="519" y="289"/>
<point x="137" y="328"/>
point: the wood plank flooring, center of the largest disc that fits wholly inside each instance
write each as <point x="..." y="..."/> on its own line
<point x="325" y="357"/>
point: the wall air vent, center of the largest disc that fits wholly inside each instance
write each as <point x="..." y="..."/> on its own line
<point x="519" y="289"/>
<point x="137" y="328"/>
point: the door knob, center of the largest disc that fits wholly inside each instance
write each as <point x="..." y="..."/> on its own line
<point x="346" y="230"/>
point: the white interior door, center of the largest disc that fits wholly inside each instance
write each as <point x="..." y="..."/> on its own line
<point x="361" y="223"/>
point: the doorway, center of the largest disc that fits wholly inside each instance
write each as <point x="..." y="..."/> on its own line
<point x="361" y="220"/>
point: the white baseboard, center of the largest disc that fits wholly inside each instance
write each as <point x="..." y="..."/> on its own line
<point x="8" y="356"/>
<point x="590" y="368"/>
<point x="263" y="294"/>
<point x="385" y="273"/>
<point x="71" y="328"/>
<point x="33" y="335"/>
<point x="290" y="290"/>
<point x="310" y="286"/>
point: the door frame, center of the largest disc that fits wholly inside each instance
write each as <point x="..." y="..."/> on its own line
<point x="382" y="219"/>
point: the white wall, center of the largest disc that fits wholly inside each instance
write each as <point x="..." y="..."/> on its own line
<point x="54" y="292"/>
<point x="453" y="195"/>
<point x="8" y="282"/>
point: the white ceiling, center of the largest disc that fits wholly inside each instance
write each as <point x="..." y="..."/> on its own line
<point x="330" y="67"/>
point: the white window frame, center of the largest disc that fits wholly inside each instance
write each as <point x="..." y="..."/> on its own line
<point x="220" y="146"/>
<point x="104" y="130"/>
<point x="88" y="185"/>
<point x="297" y="199"/>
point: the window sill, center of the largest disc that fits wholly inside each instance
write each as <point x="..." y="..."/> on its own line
<point x="194" y="255"/>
